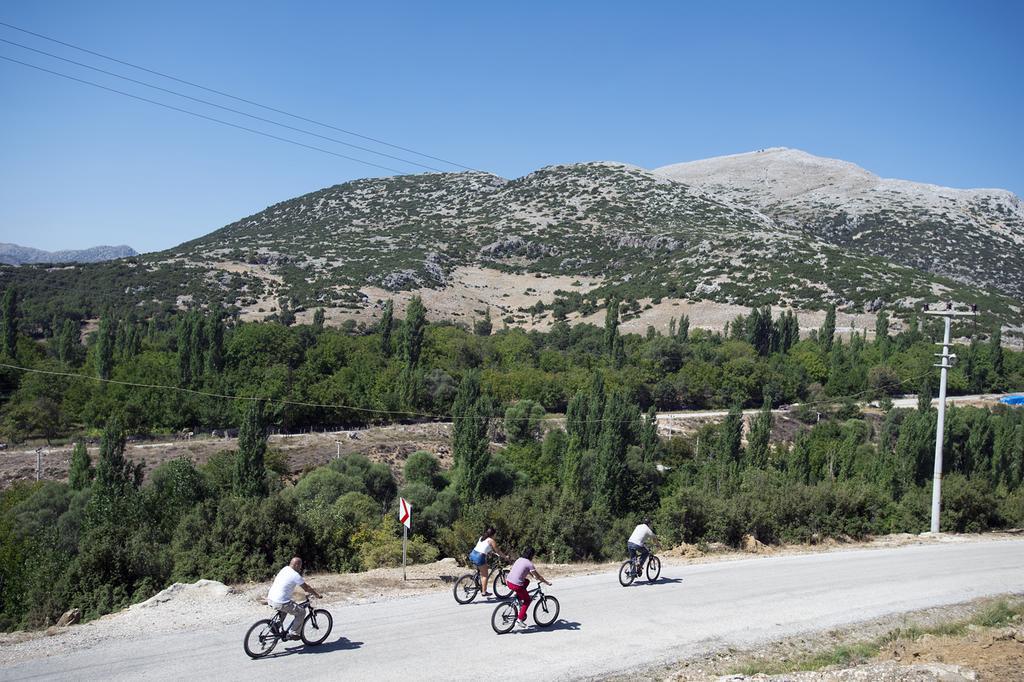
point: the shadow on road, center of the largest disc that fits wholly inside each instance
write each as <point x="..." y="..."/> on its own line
<point x="560" y="624"/>
<point x="663" y="581"/>
<point x="340" y="644"/>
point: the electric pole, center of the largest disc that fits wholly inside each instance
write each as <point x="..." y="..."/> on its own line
<point x="946" y="361"/>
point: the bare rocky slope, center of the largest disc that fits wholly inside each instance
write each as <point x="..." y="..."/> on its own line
<point x="705" y="233"/>
<point x="974" y="236"/>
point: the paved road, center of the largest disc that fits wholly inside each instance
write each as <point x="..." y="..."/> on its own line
<point x="603" y="627"/>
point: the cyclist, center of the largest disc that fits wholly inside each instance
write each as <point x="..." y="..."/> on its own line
<point x="518" y="581"/>
<point x="280" y="595"/>
<point x="485" y="545"/>
<point x="637" y="541"/>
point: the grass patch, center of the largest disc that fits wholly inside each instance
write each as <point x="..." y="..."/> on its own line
<point x="994" y="615"/>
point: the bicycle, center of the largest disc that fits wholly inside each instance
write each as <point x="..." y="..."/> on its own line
<point x="468" y="586"/>
<point x="545" y="611"/>
<point x="633" y="568"/>
<point x="264" y="634"/>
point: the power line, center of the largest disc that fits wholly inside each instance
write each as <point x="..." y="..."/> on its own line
<point x="237" y="98"/>
<point x="204" y="116"/>
<point x="219" y="106"/>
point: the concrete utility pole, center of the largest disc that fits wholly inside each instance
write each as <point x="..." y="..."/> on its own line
<point x="946" y="361"/>
<point x="39" y="463"/>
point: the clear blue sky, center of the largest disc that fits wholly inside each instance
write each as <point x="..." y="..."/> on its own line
<point x="928" y="91"/>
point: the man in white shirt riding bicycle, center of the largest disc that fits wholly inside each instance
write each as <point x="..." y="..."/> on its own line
<point x="636" y="545"/>
<point x="280" y="595"/>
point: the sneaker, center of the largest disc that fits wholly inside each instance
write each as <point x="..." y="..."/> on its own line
<point x="485" y="594"/>
<point x="522" y="624"/>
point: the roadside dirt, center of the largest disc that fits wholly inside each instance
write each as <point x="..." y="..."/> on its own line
<point x="390" y="444"/>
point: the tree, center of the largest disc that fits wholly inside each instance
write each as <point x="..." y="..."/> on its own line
<point x="470" y="417"/>
<point x="522" y="421"/>
<point x="882" y="332"/>
<point x="828" y="329"/>
<point x="612" y="485"/>
<point x="483" y="326"/>
<point x="9" y="323"/>
<point x="115" y="472"/>
<point x="215" y="345"/>
<point x="105" y="338"/>
<point x="68" y="343"/>
<point x="595" y="411"/>
<point x="650" y="444"/>
<point x="385" y="325"/>
<point x="319" y="315"/>
<point x="924" y="396"/>
<point x="412" y="332"/>
<point x="81" y="472"/>
<point x="683" y="332"/>
<point x="759" y="330"/>
<point x="731" y="435"/>
<point x="250" y="479"/>
<point x="611" y="326"/>
<point x="760" y="436"/>
<point x="995" y="358"/>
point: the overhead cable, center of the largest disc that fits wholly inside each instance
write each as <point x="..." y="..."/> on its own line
<point x="237" y="98"/>
<point x="204" y="116"/>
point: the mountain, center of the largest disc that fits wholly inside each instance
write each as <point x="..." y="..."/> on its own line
<point x="556" y="243"/>
<point x="12" y="254"/>
<point x="974" y="236"/>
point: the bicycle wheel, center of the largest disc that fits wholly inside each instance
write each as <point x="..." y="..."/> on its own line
<point x="626" y="576"/>
<point x="500" y="587"/>
<point x="545" y="611"/>
<point x="504" y="617"/>
<point x="653" y="568"/>
<point x="317" y="627"/>
<point x="260" y="640"/>
<point x="466" y="588"/>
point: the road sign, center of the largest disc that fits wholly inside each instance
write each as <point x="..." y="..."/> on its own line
<point x="405" y="517"/>
<point x="404" y="512"/>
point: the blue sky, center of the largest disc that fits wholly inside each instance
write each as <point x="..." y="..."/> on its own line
<point x="927" y="91"/>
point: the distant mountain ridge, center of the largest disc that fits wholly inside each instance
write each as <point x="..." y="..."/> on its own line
<point x="13" y="254"/>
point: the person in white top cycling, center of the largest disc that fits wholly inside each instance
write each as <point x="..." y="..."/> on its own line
<point x="485" y="546"/>
<point x="636" y="545"/>
<point x="280" y="595"/>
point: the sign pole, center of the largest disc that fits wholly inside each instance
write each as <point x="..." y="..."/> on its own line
<point x="405" y="537"/>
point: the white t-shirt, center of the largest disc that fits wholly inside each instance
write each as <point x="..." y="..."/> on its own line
<point x="640" y="534"/>
<point x="284" y="584"/>
<point x="483" y="546"/>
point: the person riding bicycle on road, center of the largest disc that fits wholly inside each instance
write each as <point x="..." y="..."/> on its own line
<point x="280" y="595"/>
<point x="485" y="545"/>
<point x="518" y="580"/>
<point x="637" y="543"/>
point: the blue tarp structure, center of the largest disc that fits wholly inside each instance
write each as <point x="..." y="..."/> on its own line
<point x="1013" y="400"/>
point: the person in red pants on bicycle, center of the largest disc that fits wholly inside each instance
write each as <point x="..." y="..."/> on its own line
<point x="518" y="581"/>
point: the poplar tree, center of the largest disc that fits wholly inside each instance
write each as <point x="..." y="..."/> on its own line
<point x="80" y="472"/>
<point x="105" y="340"/>
<point x="470" y="417"/>
<point x="611" y="326"/>
<point x="385" y="325"/>
<point x="250" y="479"/>
<point x="828" y="329"/>
<point x="760" y="436"/>
<point x="9" y="323"/>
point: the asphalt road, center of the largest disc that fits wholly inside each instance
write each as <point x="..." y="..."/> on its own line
<point x="603" y="628"/>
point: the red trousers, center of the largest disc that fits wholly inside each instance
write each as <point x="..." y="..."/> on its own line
<point x="524" y="599"/>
